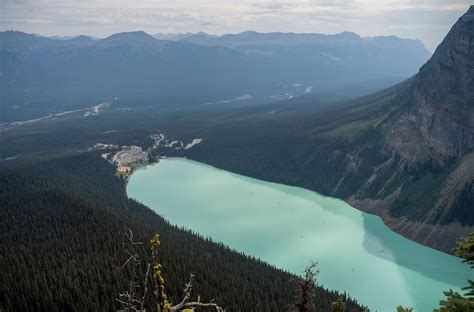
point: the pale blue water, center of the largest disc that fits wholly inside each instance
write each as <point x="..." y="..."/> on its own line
<point x="289" y="226"/>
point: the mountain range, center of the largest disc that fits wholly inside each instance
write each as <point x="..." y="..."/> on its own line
<point x="343" y="49"/>
<point x="40" y="75"/>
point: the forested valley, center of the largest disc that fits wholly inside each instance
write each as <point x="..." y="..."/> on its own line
<point x="64" y="222"/>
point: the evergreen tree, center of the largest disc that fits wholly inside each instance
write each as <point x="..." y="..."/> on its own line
<point x="305" y="293"/>
<point x="338" y="306"/>
<point x="454" y="301"/>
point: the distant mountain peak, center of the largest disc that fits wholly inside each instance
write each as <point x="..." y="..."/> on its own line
<point x="248" y="32"/>
<point x="18" y="40"/>
<point x="468" y="16"/>
<point x="82" y="38"/>
<point x="138" y="41"/>
<point x="16" y="33"/>
<point x="172" y="36"/>
<point x="131" y="35"/>
<point x="450" y="67"/>
<point x="348" y="35"/>
<point x="470" y="11"/>
<point x="196" y="36"/>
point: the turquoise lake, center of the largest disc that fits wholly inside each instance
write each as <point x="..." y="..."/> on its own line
<point x="290" y="226"/>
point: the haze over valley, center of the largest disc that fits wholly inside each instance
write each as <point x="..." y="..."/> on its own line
<point x="246" y="171"/>
<point x="43" y="75"/>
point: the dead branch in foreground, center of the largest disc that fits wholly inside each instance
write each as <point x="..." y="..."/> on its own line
<point x="138" y="298"/>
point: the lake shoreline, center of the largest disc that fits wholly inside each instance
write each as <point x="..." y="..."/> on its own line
<point x="435" y="236"/>
<point x="380" y="247"/>
<point x="440" y="237"/>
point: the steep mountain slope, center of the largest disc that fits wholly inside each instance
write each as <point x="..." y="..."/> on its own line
<point x="441" y="114"/>
<point x="405" y="153"/>
<point x="436" y="129"/>
<point x="41" y="75"/>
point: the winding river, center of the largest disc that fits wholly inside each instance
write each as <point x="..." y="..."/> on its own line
<point x="290" y="226"/>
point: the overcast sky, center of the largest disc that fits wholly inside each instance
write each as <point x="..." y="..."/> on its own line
<point x="427" y="20"/>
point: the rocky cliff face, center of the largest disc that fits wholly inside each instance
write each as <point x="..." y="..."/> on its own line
<point x="439" y="121"/>
<point x="431" y="132"/>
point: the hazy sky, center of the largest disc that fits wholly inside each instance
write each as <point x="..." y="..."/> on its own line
<point x="427" y="20"/>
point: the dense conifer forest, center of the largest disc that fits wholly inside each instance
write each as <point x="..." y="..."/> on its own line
<point x="63" y="223"/>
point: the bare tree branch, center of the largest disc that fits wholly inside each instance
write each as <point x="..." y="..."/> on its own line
<point x="146" y="286"/>
<point x="200" y="304"/>
<point x="193" y="304"/>
<point x="131" y="301"/>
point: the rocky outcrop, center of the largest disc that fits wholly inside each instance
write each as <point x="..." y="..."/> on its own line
<point x="437" y="236"/>
<point x="432" y="230"/>
<point x="434" y="125"/>
<point x="442" y="237"/>
<point x="438" y="121"/>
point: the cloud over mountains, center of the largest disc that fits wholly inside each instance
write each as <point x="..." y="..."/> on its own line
<point x="428" y="20"/>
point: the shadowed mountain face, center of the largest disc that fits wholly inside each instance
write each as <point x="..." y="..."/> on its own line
<point x="376" y="54"/>
<point x="440" y="122"/>
<point x="434" y="132"/>
<point x="405" y="153"/>
<point x="42" y="75"/>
